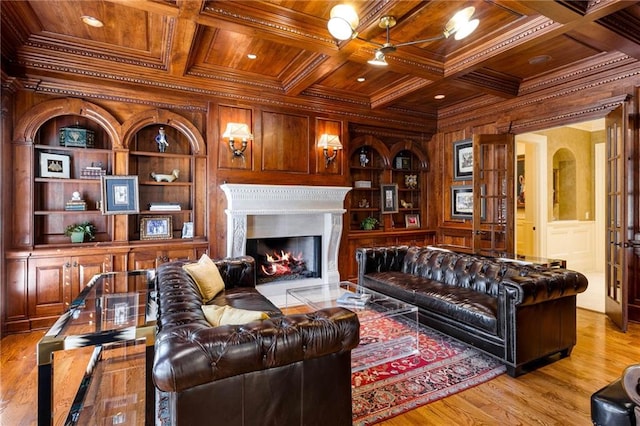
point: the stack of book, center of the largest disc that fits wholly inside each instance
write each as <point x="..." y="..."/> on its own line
<point x="91" y="172"/>
<point x="75" y="205"/>
<point x="354" y="299"/>
<point x="164" y="207"/>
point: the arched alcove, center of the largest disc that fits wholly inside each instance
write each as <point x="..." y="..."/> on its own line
<point x="564" y="185"/>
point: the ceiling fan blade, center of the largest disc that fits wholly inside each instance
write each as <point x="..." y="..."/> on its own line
<point x="370" y="42"/>
<point x="425" y="40"/>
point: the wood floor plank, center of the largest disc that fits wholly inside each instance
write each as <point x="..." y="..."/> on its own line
<point x="555" y="394"/>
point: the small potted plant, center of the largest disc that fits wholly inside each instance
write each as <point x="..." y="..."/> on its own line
<point x="369" y="223"/>
<point x="78" y="231"/>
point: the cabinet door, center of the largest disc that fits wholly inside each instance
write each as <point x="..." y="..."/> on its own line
<point x="153" y="258"/>
<point x="144" y="259"/>
<point x="83" y="268"/>
<point x="179" y="254"/>
<point x="47" y="278"/>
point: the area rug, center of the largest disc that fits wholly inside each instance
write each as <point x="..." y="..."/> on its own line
<point x="443" y="367"/>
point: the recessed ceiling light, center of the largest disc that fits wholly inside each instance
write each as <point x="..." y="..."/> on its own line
<point x="542" y="59"/>
<point x="438" y="97"/>
<point x="252" y="56"/>
<point x="91" y="21"/>
<point x="361" y="79"/>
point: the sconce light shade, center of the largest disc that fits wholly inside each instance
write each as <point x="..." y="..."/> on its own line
<point x="329" y="141"/>
<point x="237" y="131"/>
<point x="343" y="22"/>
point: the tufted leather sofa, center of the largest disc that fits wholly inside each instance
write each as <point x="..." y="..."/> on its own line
<point x="285" y="370"/>
<point x="517" y="313"/>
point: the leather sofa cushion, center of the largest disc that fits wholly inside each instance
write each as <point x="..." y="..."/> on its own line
<point x="458" y="303"/>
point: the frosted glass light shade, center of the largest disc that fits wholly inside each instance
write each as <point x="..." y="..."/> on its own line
<point x="343" y="22"/>
<point x="237" y="131"/>
<point x="329" y="141"/>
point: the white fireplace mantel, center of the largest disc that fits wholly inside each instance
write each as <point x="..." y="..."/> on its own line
<point x="265" y="211"/>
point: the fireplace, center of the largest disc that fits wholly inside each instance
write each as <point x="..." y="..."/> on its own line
<point x="286" y="258"/>
<point x="266" y="212"/>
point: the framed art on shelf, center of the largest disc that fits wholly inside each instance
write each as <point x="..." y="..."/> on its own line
<point x="187" y="230"/>
<point x="54" y="165"/>
<point x="156" y="228"/>
<point x="389" y="196"/>
<point x="412" y="220"/>
<point x="463" y="160"/>
<point x="119" y="195"/>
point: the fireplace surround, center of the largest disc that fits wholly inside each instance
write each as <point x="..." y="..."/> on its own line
<point x="274" y="211"/>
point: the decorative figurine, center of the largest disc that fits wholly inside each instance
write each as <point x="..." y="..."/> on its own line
<point x="406" y="205"/>
<point x="363" y="158"/>
<point x="363" y="204"/>
<point x="161" y="140"/>
<point x="166" y="177"/>
<point x="411" y="181"/>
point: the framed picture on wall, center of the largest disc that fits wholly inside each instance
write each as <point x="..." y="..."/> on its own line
<point x="463" y="160"/>
<point x="520" y="180"/>
<point x="462" y="202"/>
<point x="389" y="198"/>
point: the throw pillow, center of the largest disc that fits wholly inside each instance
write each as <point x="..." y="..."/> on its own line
<point x="227" y="315"/>
<point x="206" y="275"/>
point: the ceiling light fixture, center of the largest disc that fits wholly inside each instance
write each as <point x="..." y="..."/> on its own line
<point x="344" y="21"/>
<point x="91" y="21"/>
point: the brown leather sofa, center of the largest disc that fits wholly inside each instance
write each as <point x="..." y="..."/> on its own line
<point x="285" y="370"/>
<point x="517" y="313"/>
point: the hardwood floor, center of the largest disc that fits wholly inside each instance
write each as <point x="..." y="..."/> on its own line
<point x="556" y="394"/>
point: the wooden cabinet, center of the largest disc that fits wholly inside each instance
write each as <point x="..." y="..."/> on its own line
<point x="53" y="282"/>
<point x="373" y="166"/>
<point x="64" y="146"/>
<point x="153" y="256"/>
<point x="165" y="180"/>
<point x="367" y="168"/>
<point x="406" y="175"/>
<point x="60" y="171"/>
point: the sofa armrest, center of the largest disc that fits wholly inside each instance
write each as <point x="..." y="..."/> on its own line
<point x="541" y="285"/>
<point x="194" y="354"/>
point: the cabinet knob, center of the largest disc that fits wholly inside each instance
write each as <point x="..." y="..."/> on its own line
<point x="67" y="265"/>
<point x="75" y="264"/>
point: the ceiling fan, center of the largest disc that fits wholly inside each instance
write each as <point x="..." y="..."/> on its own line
<point x="344" y="21"/>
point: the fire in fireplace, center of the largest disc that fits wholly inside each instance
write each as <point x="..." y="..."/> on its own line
<point x="286" y="258"/>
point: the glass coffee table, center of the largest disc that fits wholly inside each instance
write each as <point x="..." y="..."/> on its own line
<point x="94" y="364"/>
<point x="388" y="327"/>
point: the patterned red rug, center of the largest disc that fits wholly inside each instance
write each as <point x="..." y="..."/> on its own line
<point x="443" y="367"/>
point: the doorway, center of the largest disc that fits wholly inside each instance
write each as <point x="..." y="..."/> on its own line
<point x="562" y="215"/>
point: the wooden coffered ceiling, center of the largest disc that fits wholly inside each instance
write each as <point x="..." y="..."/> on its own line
<point x="196" y="49"/>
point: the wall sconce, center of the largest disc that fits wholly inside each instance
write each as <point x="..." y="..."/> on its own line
<point x="237" y="131"/>
<point x="329" y="141"/>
